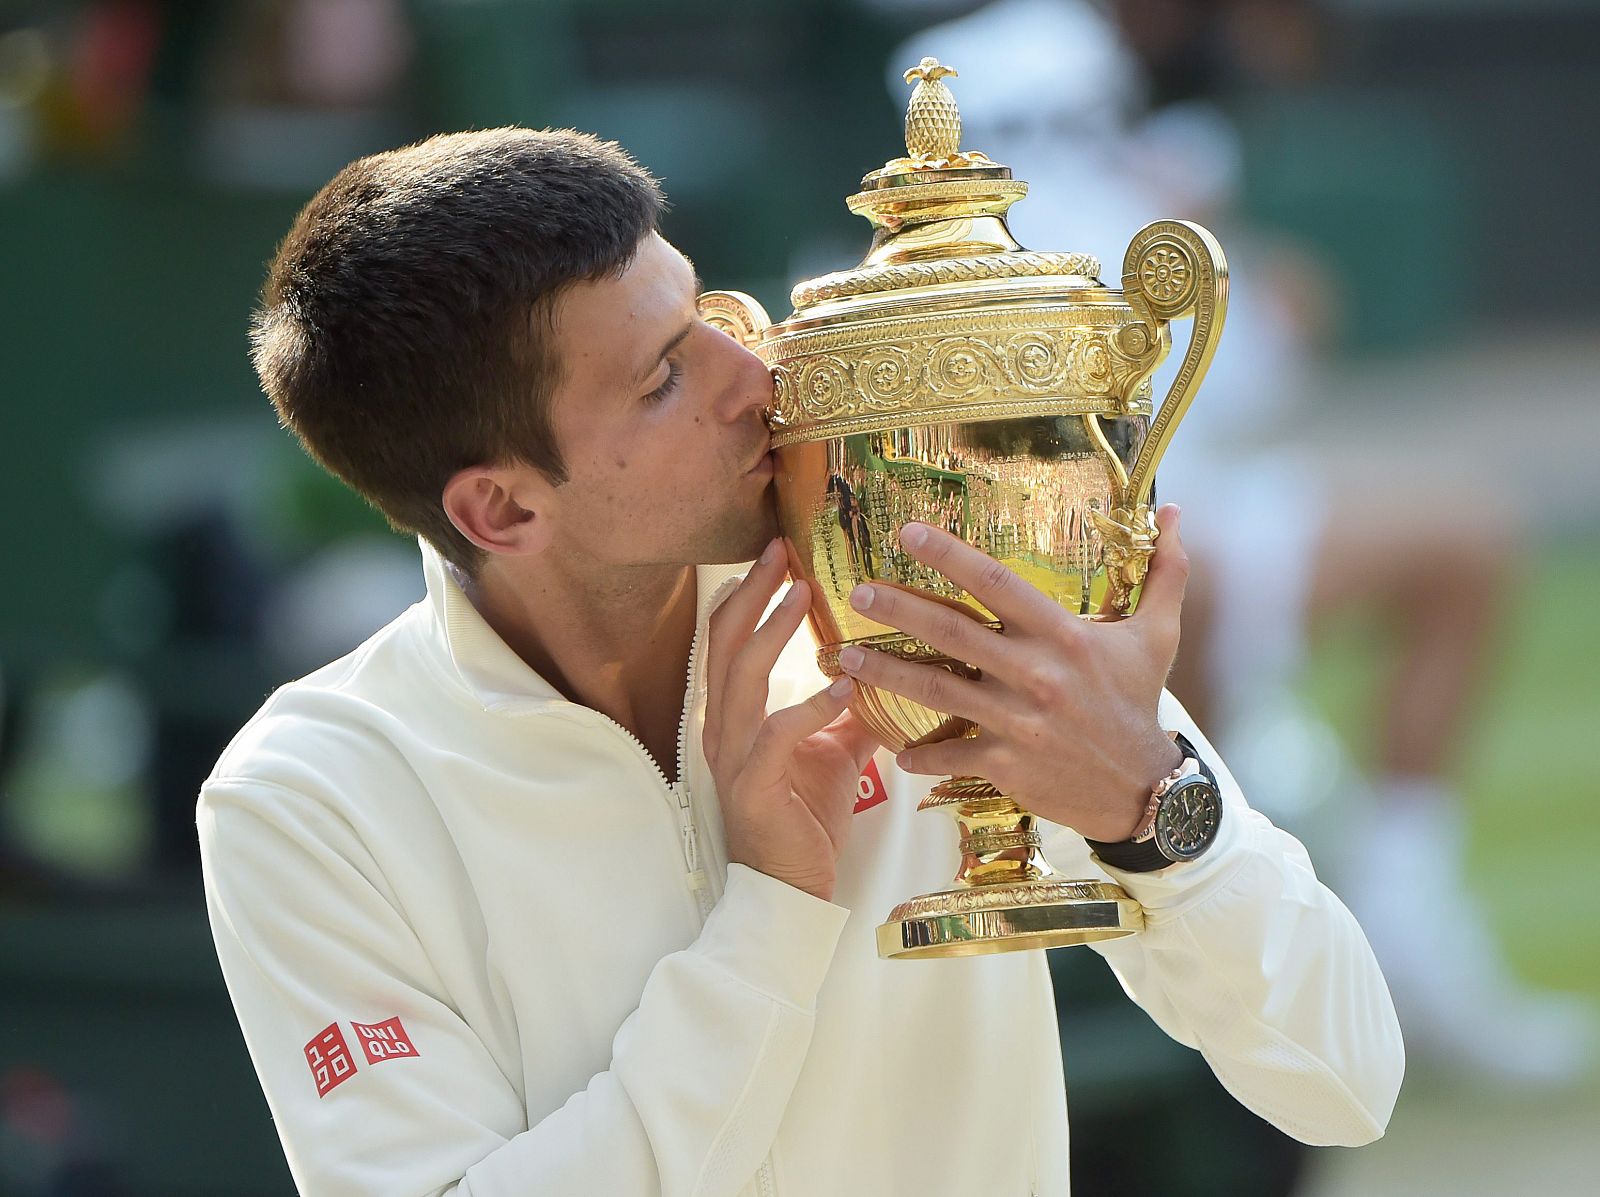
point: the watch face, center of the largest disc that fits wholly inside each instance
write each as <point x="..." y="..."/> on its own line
<point x="1188" y="818"/>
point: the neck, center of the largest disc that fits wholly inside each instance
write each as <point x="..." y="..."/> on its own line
<point x="617" y="643"/>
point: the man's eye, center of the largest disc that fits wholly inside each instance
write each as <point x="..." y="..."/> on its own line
<point x="665" y="389"/>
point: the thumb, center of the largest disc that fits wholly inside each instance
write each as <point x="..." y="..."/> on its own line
<point x="1161" y="600"/>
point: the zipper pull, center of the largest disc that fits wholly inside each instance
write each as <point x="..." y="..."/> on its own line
<point x="691" y="844"/>
<point x="691" y="849"/>
<point x="699" y="883"/>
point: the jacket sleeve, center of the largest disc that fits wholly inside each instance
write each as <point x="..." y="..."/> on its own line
<point x="1247" y="957"/>
<point x="310" y="936"/>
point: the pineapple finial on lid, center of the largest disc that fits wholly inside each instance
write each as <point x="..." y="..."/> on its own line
<point x="933" y="122"/>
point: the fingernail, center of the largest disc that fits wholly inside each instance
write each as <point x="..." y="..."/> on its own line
<point x="861" y="597"/>
<point x="913" y="535"/>
<point x="852" y="658"/>
<point x="840" y="688"/>
<point x="795" y="596"/>
<point x="770" y="554"/>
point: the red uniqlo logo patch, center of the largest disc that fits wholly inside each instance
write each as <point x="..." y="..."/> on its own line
<point x="869" y="788"/>
<point x="383" y="1040"/>
<point x="330" y="1059"/>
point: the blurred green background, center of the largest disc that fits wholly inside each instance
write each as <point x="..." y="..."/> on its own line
<point x="161" y="531"/>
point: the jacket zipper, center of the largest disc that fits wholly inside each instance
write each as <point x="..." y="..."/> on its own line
<point x="698" y="882"/>
<point x="689" y="840"/>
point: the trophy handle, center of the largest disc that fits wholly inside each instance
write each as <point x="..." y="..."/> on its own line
<point x="1174" y="269"/>
<point x="739" y="315"/>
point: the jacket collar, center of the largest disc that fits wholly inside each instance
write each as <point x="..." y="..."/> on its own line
<point x="485" y="664"/>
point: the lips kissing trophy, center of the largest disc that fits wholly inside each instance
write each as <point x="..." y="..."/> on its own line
<point x="958" y="379"/>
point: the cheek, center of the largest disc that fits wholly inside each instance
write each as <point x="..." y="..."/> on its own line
<point x="675" y="468"/>
<point x="647" y="473"/>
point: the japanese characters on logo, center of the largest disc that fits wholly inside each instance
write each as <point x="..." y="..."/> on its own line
<point x="330" y="1059"/>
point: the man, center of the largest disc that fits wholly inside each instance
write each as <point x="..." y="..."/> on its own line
<point x="506" y="908"/>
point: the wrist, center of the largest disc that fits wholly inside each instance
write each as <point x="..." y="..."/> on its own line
<point x="1159" y="760"/>
<point x="818" y="885"/>
<point x="816" y="881"/>
<point x="1182" y="819"/>
<point x="817" y="888"/>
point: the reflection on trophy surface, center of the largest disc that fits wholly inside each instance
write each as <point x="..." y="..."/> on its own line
<point x="957" y="379"/>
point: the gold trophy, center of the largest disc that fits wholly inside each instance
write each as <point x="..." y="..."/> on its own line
<point x="955" y="378"/>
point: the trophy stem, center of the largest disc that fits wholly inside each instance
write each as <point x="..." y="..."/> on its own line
<point x="999" y="842"/>
<point x="1006" y="896"/>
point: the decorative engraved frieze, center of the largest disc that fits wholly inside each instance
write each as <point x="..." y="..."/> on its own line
<point x="981" y="842"/>
<point x="929" y="366"/>
<point x="1001" y="897"/>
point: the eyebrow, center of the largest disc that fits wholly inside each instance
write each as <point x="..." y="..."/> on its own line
<point x="677" y="339"/>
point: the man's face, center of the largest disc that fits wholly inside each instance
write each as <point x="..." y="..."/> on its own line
<point x="659" y="420"/>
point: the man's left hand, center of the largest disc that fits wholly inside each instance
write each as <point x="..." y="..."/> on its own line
<point x="1067" y="706"/>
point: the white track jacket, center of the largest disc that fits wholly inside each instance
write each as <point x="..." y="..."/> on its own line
<point x="479" y="946"/>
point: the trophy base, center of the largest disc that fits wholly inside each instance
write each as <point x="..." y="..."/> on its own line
<point x="984" y="919"/>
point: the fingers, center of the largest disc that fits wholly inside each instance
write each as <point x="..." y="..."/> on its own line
<point x="953" y="628"/>
<point x="783" y="731"/>
<point x="931" y="685"/>
<point x="948" y="758"/>
<point x="732" y="622"/>
<point x="1161" y="600"/>
<point x="1017" y="604"/>
<point x="742" y="702"/>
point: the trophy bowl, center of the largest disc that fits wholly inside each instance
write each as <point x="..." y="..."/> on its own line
<point x="957" y="379"/>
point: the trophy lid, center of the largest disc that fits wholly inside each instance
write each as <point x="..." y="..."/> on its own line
<point x="948" y="318"/>
<point x="938" y="213"/>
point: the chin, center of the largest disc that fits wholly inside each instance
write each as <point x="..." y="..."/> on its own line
<point x="742" y="538"/>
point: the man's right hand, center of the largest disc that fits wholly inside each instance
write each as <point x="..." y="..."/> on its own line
<point x="787" y="781"/>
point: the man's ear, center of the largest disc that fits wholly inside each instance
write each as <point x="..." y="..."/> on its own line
<point x="502" y="509"/>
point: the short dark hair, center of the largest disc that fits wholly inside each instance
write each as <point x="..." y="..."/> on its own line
<point x="404" y="332"/>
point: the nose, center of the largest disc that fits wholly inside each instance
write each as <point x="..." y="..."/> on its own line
<point x="748" y="382"/>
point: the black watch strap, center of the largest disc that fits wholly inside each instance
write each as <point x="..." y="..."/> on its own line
<point x="1147" y="857"/>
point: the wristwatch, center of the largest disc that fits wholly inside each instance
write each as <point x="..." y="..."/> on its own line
<point x="1181" y="822"/>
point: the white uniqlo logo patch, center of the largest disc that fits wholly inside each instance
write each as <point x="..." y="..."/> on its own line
<point x="382" y="1041"/>
<point x="330" y="1059"/>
